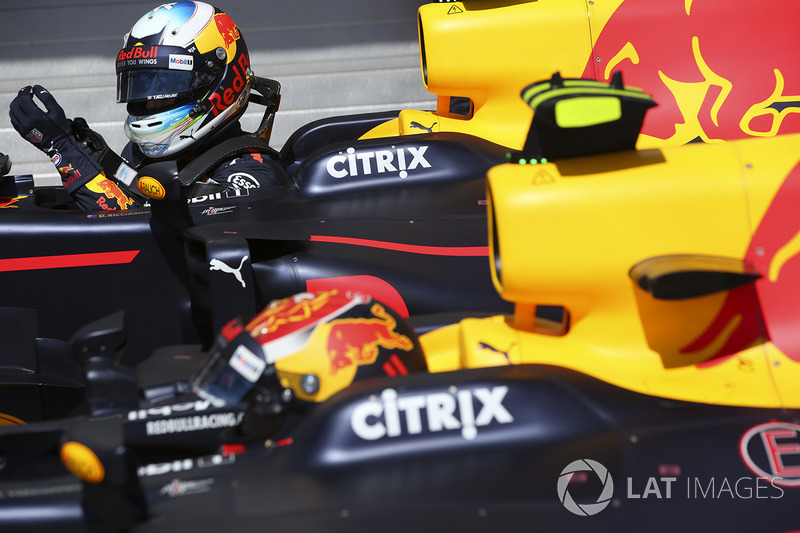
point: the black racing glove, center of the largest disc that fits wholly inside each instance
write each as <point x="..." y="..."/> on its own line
<point x="52" y="133"/>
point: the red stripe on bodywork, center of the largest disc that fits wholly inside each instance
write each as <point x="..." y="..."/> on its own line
<point x="67" y="261"/>
<point x="464" y="251"/>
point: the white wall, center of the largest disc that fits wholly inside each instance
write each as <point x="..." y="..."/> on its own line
<point x="331" y="58"/>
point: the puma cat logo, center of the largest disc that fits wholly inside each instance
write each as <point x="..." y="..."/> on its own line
<point x="216" y="264"/>
<point x="415" y="124"/>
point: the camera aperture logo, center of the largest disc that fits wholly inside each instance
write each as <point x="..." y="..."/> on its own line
<point x="586" y="509"/>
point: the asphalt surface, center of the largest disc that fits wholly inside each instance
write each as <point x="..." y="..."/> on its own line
<point x="331" y="58"/>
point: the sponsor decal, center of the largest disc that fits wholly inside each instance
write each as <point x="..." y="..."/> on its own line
<point x="138" y="62"/>
<point x="7" y="202"/>
<point x="168" y="410"/>
<point x="116" y="214"/>
<point x="151" y="187"/>
<point x="417" y="125"/>
<point x="357" y="341"/>
<point x="772" y="452"/>
<point x="181" y="62"/>
<point x="110" y="190"/>
<point x="153" y="149"/>
<point x="229" y="193"/>
<point x="37" y="492"/>
<point x="360" y="163"/>
<point x="185" y="465"/>
<point x="211" y="211"/>
<point x="242" y="180"/>
<point x="82" y="462"/>
<point x="488" y="347"/>
<point x="227" y="29"/>
<point x="56" y="159"/>
<point x="68" y="174"/>
<point x="711" y="81"/>
<point x="187" y="424"/>
<point x="216" y="264"/>
<point x="178" y="487"/>
<point x="246" y="363"/>
<point x="35" y="136"/>
<point x="138" y="52"/>
<point x="162" y="96"/>
<point x="230" y="95"/>
<point x="435" y="412"/>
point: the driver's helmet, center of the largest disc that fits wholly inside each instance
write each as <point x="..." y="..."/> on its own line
<point x="307" y="347"/>
<point x="184" y="72"/>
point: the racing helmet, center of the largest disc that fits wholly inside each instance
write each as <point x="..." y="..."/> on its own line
<point x="184" y="72"/>
<point x="307" y="347"/>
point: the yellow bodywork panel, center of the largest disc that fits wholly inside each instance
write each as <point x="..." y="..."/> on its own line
<point x="570" y="233"/>
<point x="488" y="51"/>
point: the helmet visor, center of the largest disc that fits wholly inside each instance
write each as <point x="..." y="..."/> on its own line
<point x="149" y="84"/>
<point x="159" y="72"/>
<point x="232" y="368"/>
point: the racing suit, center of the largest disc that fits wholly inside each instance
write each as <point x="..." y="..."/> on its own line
<point x="248" y="171"/>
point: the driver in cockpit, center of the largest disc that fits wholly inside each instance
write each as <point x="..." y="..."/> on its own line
<point x="184" y="73"/>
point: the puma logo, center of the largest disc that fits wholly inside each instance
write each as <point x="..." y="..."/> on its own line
<point x="216" y="264"/>
<point x="419" y="126"/>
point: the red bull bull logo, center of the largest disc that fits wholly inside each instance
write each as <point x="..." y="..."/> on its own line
<point x="227" y="29"/>
<point x="10" y="202"/>
<point x="762" y="311"/>
<point x="717" y="72"/>
<point x="357" y="341"/>
<point x="111" y="191"/>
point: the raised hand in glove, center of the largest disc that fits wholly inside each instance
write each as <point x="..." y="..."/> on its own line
<point x="51" y="133"/>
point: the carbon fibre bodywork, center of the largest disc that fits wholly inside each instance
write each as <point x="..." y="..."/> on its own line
<point x="403" y="218"/>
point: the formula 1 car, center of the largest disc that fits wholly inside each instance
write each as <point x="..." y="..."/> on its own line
<point x="392" y="203"/>
<point x="662" y="398"/>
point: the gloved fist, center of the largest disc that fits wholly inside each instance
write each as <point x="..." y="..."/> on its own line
<point x="45" y="130"/>
<point x="51" y="132"/>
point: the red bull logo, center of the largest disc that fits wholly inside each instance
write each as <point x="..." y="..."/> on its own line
<point x="110" y="190"/>
<point x="762" y="311"/>
<point x="227" y="29"/>
<point x="9" y="202"/>
<point x="227" y="96"/>
<point x="348" y="342"/>
<point x="68" y="174"/>
<point x="717" y="72"/>
<point x="138" y="52"/>
<point x="357" y="341"/>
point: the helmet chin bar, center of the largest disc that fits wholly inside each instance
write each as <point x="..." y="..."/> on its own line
<point x="265" y="398"/>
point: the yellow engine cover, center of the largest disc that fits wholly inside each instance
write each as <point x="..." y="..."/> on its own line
<point x="570" y="234"/>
